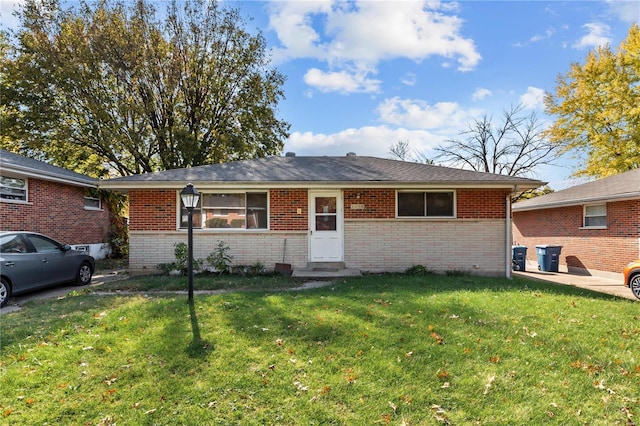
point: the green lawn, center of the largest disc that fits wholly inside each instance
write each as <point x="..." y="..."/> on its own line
<point x="389" y="349"/>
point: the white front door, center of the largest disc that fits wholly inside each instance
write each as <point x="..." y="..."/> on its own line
<point x="325" y="226"/>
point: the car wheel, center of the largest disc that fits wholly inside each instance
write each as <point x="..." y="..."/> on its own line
<point x="5" y="292"/>
<point x="634" y="285"/>
<point x="83" y="277"/>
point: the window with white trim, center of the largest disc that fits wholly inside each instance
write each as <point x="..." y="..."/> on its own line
<point x="229" y="210"/>
<point x="12" y="188"/>
<point x="595" y="216"/>
<point x="425" y="203"/>
<point x="92" y="199"/>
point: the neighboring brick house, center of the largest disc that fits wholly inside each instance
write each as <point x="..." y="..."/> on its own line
<point x="365" y="213"/>
<point x="596" y="223"/>
<point x="38" y="197"/>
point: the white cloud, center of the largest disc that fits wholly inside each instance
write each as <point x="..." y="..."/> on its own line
<point x="361" y="33"/>
<point x="418" y="114"/>
<point x="547" y="34"/>
<point x="533" y="98"/>
<point x="341" y="81"/>
<point x="626" y="11"/>
<point x="597" y="35"/>
<point x="481" y="93"/>
<point x="410" y="79"/>
<point x="369" y="140"/>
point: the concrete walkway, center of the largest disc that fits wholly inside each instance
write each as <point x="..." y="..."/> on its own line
<point x="604" y="284"/>
<point x="62" y="290"/>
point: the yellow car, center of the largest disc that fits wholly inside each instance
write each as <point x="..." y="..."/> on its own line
<point x="632" y="277"/>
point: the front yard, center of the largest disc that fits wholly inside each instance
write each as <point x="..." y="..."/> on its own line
<point x="388" y="349"/>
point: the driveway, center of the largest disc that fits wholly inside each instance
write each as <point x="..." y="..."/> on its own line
<point x="15" y="303"/>
<point x="609" y="285"/>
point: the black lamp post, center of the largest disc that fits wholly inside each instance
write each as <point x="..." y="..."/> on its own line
<point x="190" y="197"/>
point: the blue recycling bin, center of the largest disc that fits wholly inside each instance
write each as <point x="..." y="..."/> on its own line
<point x="548" y="257"/>
<point x="519" y="258"/>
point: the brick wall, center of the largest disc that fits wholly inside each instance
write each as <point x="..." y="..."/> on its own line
<point x="476" y="246"/>
<point x="148" y="249"/>
<point x="56" y="210"/>
<point x="607" y="250"/>
<point x="374" y="239"/>
<point x="481" y="204"/>
<point x="153" y="210"/>
<point x="284" y="205"/>
<point x="369" y="203"/>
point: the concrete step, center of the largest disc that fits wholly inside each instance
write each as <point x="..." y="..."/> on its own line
<point x="324" y="273"/>
<point x="326" y="266"/>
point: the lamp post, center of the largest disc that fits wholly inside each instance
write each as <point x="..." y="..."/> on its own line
<point x="190" y="197"/>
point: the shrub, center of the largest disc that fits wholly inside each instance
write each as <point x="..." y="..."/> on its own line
<point x="220" y="259"/>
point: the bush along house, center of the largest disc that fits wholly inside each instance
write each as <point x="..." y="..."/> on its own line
<point x="39" y="197"/>
<point x="596" y="224"/>
<point x="363" y="213"/>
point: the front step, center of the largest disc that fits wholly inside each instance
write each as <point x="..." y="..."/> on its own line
<point x="325" y="270"/>
<point x="325" y="266"/>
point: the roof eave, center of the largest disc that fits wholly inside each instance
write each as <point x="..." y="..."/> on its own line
<point x="508" y="185"/>
<point x="578" y="202"/>
<point x="38" y="174"/>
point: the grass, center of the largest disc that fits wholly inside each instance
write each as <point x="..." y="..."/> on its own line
<point x="388" y="349"/>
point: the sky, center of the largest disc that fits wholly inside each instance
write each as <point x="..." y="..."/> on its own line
<point x="363" y="75"/>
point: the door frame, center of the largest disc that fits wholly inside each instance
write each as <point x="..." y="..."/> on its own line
<point x="338" y="194"/>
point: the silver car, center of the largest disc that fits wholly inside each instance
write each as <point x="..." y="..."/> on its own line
<point x="30" y="261"/>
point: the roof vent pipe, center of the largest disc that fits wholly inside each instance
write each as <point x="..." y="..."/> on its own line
<point x="351" y="154"/>
<point x="290" y="154"/>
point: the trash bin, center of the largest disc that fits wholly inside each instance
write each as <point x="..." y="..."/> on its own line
<point x="548" y="257"/>
<point x="518" y="258"/>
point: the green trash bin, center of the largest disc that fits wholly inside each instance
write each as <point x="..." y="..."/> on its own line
<point x="548" y="257"/>
<point x="519" y="258"/>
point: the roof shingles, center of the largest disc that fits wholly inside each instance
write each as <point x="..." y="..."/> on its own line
<point x="321" y="170"/>
<point x="618" y="187"/>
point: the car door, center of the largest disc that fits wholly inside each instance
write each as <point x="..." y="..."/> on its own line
<point x="20" y="262"/>
<point x="56" y="266"/>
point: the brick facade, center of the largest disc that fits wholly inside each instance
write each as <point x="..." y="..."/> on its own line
<point x="606" y="250"/>
<point x="56" y="210"/>
<point x="374" y="240"/>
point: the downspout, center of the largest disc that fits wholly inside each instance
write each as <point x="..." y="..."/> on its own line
<point x="508" y="236"/>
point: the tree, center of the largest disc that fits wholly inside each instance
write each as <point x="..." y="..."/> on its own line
<point x="597" y="108"/>
<point x="109" y="87"/>
<point x="402" y="151"/>
<point x="514" y="147"/>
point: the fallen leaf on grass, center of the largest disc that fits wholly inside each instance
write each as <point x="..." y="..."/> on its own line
<point x="488" y="385"/>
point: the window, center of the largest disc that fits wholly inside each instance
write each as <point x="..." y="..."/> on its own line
<point x="233" y="210"/>
<point x="91" y="199"/>
<point x="426" y="204"/>
<point x="13" y="188"/>
<point x="595" y="216"/>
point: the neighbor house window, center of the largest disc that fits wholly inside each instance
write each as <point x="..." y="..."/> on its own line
<point x="425" y="204"/>
<point x="12" y="188"/>
<point x="91" y="199"/>
<point x="595" y="216"/>
<point x="232" y="210"/>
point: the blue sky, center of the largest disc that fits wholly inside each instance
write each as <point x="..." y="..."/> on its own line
<point x="363" y="75"/>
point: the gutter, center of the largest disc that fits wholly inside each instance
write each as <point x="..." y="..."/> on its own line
<point x="578" y="201"/>
<point x="508" y="236"/>
<point x="58" y="178"/>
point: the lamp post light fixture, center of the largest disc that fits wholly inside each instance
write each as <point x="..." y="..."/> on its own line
<point x="190" y="197"/>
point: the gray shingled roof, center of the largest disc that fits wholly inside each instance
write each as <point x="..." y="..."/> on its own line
<point x="622" y="186"/>
<point x="318" y="170"/>
<point x="10" y="162"/>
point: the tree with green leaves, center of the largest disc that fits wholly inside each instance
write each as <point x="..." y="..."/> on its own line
<point x="597" y="109"/>
<point x="108" y="88"/>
